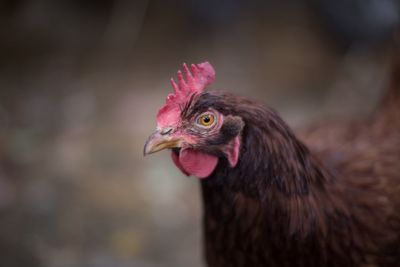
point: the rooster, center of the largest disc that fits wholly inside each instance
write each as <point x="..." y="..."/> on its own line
<point x="331" y="198"/>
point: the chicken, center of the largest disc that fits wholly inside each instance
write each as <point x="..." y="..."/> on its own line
<point x="331" y="198"/>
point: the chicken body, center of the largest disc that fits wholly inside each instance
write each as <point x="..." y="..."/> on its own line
<point x="329" y="197"/>
<point x="335" y="203"/>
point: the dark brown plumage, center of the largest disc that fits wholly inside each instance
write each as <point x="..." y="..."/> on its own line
<point x="286" y="206"/>
<point x="329" y="197"/>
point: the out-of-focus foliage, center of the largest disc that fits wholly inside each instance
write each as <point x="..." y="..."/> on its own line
<point x="81" y="82"/>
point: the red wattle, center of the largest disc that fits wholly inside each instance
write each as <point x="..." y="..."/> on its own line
<point x="193" y="162"/>
<point x="175" y="159"/>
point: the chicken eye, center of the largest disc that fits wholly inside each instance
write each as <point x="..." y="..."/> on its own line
<point x="206" y="120"/>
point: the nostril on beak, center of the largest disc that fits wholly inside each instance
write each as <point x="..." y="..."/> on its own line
<point x="166" y="130"/>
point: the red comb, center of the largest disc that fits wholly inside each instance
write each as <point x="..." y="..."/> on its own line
<point x="202" y="75"/>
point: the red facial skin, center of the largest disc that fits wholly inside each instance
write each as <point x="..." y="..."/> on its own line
<point x="197" y="163"/>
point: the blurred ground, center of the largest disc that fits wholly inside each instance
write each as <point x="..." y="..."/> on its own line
<point x="81" y="82"/>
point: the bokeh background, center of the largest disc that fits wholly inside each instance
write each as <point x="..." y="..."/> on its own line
<point x="80" y="85"/>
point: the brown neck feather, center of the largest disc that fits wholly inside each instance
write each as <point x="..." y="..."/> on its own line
<point x="275" y="170"/>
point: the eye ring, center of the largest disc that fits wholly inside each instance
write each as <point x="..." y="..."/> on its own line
<point x="206" y="120"/>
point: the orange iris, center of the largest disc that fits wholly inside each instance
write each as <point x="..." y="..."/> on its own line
<point x="206" y="120"/>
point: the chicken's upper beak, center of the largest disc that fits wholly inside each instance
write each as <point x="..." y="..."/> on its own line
<point x="160" y="140"/>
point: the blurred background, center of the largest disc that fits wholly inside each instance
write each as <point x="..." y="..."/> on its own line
<point x="80" y="85"/>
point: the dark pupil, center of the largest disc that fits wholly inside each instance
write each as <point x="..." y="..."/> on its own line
<point x="206" y="119"/>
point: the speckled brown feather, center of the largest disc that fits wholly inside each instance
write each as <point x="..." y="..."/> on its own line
<point x="331" y="199"/>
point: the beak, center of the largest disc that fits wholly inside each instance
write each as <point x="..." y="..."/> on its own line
<point x="158" y="141"/>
